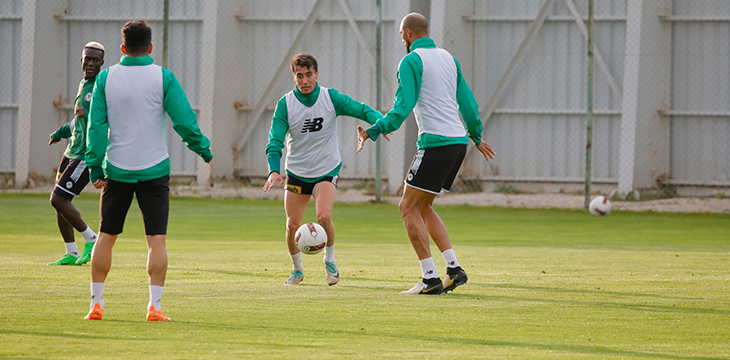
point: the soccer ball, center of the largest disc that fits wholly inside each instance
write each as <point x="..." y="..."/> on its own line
<point x="311" y="238"/>
<point x="600" y="206"/>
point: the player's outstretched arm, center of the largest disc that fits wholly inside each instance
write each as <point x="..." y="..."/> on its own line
<point x="486" y="150"/>
<point x="274" y="177"/>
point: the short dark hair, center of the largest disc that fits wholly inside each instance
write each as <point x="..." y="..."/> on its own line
<point x="303" y="60"/>
<point x="136" y="36"/>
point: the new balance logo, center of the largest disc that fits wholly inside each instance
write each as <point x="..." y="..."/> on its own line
<point x="312" y="125"/>
<point x="429" y="272"/>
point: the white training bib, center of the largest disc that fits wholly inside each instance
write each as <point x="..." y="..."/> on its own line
<point x="436" y="110"/>
<point x="311" y="144"/>
<point x="137" y="118"/>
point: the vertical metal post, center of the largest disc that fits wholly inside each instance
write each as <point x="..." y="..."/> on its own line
<point x="589" y="112"/>
<point x="378" y="69"/>
<point x="165" y="23"/>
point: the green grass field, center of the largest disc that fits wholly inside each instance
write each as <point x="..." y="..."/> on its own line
<point x="543" y="284"/>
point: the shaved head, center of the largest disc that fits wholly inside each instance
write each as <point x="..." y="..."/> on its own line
<point x="414" y="26"/>
<point x="417" y="23"/>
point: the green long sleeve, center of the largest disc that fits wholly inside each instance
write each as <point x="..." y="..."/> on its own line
<point x="97" y="137"/>
<point x="277" y="134"/>
<point x="409" y="75"/>
<point x="184" y="119"/>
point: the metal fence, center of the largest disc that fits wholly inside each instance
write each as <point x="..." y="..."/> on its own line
<point x="660" y="116"/>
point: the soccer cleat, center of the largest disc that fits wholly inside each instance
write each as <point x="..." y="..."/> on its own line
<point x="65" y="260"/>
<point x="454" y="277"/>
<point x="295" y="278"/>
<point x="154" y="315"/>
<point x="333" y="276"/>
<point x="422" y="288"/>
<point x="95" y="313"/>
<point x="85" y="254"/>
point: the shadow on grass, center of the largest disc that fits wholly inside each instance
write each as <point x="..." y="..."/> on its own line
<point x="621" y="305"/>
<point x="576" y="349"/>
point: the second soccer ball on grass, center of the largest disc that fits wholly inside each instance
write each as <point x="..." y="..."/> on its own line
<point x="311" y="238"/>
<point x="600" y="206"/>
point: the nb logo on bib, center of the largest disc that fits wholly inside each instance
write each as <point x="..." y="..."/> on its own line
<point x="312" y="125"/>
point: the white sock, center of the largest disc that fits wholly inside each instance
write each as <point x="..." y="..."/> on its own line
<point x="429" y="268"/>
<point x="97" y="294"/>
<point x="89" y="235"/>
<point x="296" y="261"/>
<point x="155" y="296"/>
<point x="72" y="249"/>
<point x="450" y="258"/>
<point x="329" y="254"/>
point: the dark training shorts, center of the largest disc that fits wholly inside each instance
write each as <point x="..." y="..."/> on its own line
<point x="73" y="175"/>
<point x="300" y="187"/>
<point x="435" y="169"/>
<point x="153" y="198"/>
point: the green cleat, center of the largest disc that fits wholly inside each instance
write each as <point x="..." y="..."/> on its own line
<point x="65" y="260"/>
<point x="86" y="253"/>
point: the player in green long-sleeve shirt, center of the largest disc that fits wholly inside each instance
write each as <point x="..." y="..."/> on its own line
<point x="127" y="155"/>
<point x="430" y="82"/>
<point x="73" y="175"/>
<point x="306" y="119"/>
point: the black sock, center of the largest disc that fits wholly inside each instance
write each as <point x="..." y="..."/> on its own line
<point x="453" y="271"/>
<point x="431" y="282"/>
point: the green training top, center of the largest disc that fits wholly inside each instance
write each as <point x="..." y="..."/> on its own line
<point x="410" y="71"/>
<point x="76" y="148"/>
<point x="344" y="105"/>
<point x="175" y="103"/>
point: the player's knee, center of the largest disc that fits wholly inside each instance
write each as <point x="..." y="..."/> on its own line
<point x="292" y="226"/>
<point x="57" y="201"/>
<point x="405" y="207"/>
<point x="324" y="218"/>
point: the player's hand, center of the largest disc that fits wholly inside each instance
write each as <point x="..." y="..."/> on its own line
<point x="100" y="184"/>
<point x="80" y="112"/>
<point x="362" y="135"/>
<point x="274" y="177"/>
<point x="486" y="150"/>
<point x="53" y="141"/>
<point x="386" y="137"/>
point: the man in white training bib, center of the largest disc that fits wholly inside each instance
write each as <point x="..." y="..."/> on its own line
<point x="306" y="117"/>
<point x="430" y="83"/>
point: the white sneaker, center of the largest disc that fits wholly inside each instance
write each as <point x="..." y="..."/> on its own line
<point x="425" y="289"/>
<point x="333" y="275"/>
<point x="295" y="278"/>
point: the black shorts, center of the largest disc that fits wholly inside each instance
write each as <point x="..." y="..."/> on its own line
<point x="435" y="169"/>
<point x="153" y="198"/>
<point x="300" y="187"/>
<point x="73" y="175"/>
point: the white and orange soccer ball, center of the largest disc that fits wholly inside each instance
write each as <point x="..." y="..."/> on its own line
<point x="600" y="206"/>
<point x="311" y="238"/>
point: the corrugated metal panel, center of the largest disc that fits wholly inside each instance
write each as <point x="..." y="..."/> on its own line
<point x="701" y="83"/>
<point x="10" y="34"/>
<point x="551" y="77"/>
<point x="102" y="21"/>
<point x="271" y="27"/>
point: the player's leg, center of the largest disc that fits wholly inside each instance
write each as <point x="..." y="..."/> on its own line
<point x="114" y="204"/>
<point x="153" y="197"/>
<point x="324" y="200"/>
<point x="72" y="181"/>
<point x="409" y="208"/>
<point x="455" y="275"/>
<point x="295" y="205"/>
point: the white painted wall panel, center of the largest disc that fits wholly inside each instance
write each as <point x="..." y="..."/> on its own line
<point x="10" y="31"/>
<point x="552" y="77"/>
<point x="701" y="83"/>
